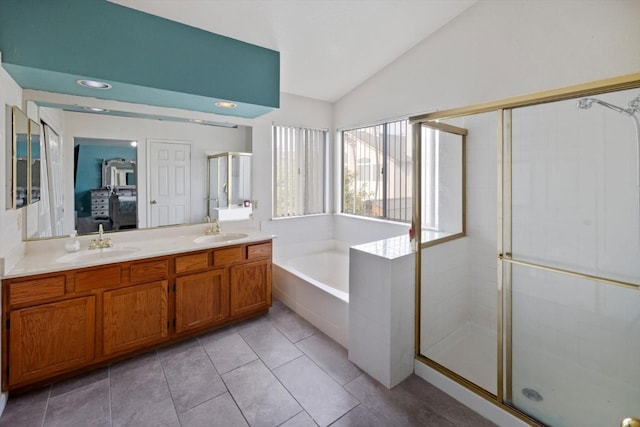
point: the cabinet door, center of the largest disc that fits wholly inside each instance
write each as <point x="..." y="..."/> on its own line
<point x="202" y="299"/>
<point x="135" y="317"/>
<point x="250" y="287"/>
<point x="51" y="338"/>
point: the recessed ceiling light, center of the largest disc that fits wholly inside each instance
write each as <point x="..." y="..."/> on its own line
<point x="93" y="84"/>
<point x="196" y="121"/>
<point x="134" y="143"/>
<point x="96" y="109"/>
<point x="226" y="104"/>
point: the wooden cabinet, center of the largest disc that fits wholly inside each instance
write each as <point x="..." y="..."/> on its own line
<point x="134" y="317"/>
<point x="250" y="287"/>
<point x="51" y="338"/>
<point x="59" y="323"/>
<point x="202" y="300"/>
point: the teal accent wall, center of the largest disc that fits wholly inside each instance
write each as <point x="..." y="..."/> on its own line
<point x="89" y="171"/>
<point x="48" y="45"/>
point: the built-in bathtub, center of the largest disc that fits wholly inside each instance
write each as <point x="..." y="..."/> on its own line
<point x="313" y="280"/>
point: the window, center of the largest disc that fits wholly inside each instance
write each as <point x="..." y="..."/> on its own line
<point x="443" y="175"/>
<point x="299" y="163"/>
<point x="377" y="171"/>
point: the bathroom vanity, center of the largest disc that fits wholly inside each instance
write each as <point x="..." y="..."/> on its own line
<point x="69" y="315"/>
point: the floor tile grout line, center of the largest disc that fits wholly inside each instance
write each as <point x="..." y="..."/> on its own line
<point x="244" y="364"/>
<point x="110" y="400"/>
<point x="256" y="353"/>
<point x="226" y="387"/>
<point x="166" y="381"/>
<point x="46" y="406"/>
<point x="331" y="376"/>
<point x="293" y="416"/>
<point x="279" y="330"/>
<point x="294" y="398"/>
<point x="347" y="413"/>
<point x="289" y="391"/>
<point x="234" y="400"/>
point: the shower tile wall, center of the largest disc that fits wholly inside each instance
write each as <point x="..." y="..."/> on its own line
<point x="446" y="292"/>
<point x="460" y="277"/>
<point x="575" y="206"/>
<point x="482" y="217"/>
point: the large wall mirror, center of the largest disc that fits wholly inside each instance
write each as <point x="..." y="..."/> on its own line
<point x="100" y="162"/>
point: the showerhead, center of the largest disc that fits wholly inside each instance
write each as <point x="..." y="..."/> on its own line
<point x="585" y="103"/>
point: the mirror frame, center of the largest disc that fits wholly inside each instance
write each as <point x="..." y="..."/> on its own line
<point x="125" y="164"/>
<point x="30" y="166"/>
<point x="14" y="113"/>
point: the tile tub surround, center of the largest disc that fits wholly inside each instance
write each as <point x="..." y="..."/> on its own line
<point x="221" y="379"/>
<point x="313" y="280"/>
<point x="381" y="309"/>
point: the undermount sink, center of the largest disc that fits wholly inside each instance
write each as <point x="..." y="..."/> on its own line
<point x="220" y="237"/>
<point x="96" y="254"/>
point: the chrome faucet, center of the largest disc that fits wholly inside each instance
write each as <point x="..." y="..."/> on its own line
<point x="101" y="242"/>
<point x="214" y="227"/>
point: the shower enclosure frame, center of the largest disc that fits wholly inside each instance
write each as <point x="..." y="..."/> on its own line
<point x="505" y="261"/>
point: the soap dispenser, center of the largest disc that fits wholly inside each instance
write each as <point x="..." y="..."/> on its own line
<point x="73" y="244"/>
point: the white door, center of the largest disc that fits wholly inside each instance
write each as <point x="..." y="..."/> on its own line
<point x="169" y="183"/>
<point x="55" y="170"/>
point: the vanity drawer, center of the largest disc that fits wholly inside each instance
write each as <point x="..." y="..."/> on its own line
<point x="227" y="255"/>
<point x="193" y="262"/>
<point x="261" y="250"/>
<point x="36" y="290"/>
<point x="105" y="277"/>
<point x="149" y="271"/>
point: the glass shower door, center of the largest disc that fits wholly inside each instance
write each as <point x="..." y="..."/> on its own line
<point x="572" y="264"/>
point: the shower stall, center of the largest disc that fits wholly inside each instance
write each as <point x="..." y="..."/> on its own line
<point x="536" y="306"/>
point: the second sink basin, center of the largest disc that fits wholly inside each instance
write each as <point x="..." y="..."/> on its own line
<point x="220" y="237"/>
<point x="96" y="254"/>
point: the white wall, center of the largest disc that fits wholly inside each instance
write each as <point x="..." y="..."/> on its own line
<point x="497" y="49"/>
<point x="11" y="246"/>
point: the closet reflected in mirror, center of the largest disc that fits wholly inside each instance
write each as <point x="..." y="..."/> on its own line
<point x="17" y="158"/>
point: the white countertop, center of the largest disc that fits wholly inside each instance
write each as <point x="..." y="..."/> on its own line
<point x="399" y="246"/>
<point x="42" y="256"/>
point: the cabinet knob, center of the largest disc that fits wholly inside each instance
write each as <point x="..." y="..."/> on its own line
<point x="153" y="202"/>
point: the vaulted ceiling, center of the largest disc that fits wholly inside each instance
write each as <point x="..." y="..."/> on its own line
<point x="189" y="54"/>
<point x="327" y="47"/>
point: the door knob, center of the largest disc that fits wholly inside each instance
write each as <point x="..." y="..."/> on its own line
<point x="153" y="202"/>
<point x="630" y="422"/>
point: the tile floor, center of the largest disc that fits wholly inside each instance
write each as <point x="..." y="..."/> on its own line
<point x="273" y="370"/>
